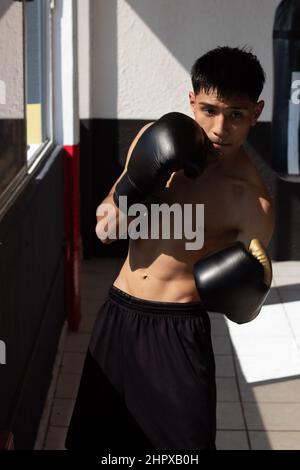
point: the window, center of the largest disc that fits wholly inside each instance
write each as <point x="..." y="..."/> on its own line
<point x="25" y="91"/>
<point x="12" y="126"/>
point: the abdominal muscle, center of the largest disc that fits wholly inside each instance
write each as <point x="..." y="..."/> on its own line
<point x="162" y="270"/>
<point x="148" y="284"/>
<point x="158" y="283"/>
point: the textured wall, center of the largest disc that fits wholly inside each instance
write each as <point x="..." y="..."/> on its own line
<point x="11" y="72"/>
<point x="142" y="51"/>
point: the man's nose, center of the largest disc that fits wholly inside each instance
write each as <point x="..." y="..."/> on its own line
<point x="220" y="126"/>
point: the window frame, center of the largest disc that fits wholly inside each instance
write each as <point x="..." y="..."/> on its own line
<point x="19" y="182"/>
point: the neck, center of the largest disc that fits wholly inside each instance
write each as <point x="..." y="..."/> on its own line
<point x="226" y="161"/>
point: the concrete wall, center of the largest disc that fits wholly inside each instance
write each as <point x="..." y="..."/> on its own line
<point x="11" y="72"/>
<point x="140" y="52"/>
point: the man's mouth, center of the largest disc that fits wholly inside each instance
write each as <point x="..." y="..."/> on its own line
<point x="220" y="145"/>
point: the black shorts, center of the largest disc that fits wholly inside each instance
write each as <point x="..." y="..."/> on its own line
<point x="148" y="380"/>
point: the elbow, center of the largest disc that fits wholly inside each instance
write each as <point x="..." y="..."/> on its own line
<point x="106" y="241"/>
<point x="103" y="236"/>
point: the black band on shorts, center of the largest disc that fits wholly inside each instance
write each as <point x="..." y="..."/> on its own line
<point x="155" y="307"/>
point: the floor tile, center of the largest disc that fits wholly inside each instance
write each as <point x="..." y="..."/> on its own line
<point x="221" y="345"/>
<point x="227" y="389"/>
<point x="229" y="416"/>
<point x="272" y="416"/>
<point x="232" y="440"/>
<point x="67" y="386"/>
<point x="265" y="346"/>
<point x="219" y="327"/>
<point x="72" y="363"/>
<point x="56" y="438"/>
<point x="76" y="342"/>
<point x="61" y="412"/>
<point x="287" y="391"/>
<point x="275" y="440"/>
<point x="224" y="366"/>
<point x="269" y="367"/>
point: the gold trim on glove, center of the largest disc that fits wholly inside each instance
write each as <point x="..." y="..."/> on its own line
<point x="257" y="250"/>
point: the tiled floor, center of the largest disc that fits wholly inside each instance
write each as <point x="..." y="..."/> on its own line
<point x="257" y="366"/>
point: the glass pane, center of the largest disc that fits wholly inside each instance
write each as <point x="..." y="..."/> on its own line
<point x="37" y="72"/>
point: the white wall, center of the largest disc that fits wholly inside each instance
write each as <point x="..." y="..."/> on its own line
<point x="66" y="128"/>
<point x="142" y="51"/>
<point x="11" y="60"/>
<point x="84" y="59"/>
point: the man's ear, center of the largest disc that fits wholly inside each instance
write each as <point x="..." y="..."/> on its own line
<point x="192" y="100"/>
<point x="258" y="107"/>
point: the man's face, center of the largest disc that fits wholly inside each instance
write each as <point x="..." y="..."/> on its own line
<point x="225" y="121"/>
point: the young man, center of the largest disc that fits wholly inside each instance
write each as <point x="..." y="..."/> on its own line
<point x="149" y="376"/>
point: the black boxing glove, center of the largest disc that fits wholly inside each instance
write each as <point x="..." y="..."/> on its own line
<point x="235" y="281"/>
<point x="174" y="142"/>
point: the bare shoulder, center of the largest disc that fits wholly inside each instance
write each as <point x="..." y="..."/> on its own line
<point x="134" y="142"/>
<point x="258" y="215"/>
<point x="129" y="153"/>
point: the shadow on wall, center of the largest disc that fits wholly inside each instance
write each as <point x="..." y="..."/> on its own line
<point x="104" y="141"/>
<point x="170" y="21"/>
<point x="99" y="138"/>
<point x="4" y="6"/>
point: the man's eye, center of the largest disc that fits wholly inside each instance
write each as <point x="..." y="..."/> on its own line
<point x="209" y="111"/>
<point x="237" y="115"/>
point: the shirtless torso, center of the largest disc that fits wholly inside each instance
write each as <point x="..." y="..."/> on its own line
<point x="237" y="206"/>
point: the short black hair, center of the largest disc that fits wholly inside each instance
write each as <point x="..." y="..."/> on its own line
<point x="229" y="71"/>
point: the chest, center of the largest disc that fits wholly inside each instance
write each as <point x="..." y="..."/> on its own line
<point x="223" y="199"/>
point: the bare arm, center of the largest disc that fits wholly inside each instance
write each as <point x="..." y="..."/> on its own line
<point x="258" y="219"/>
<point x="108" y="215"/>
